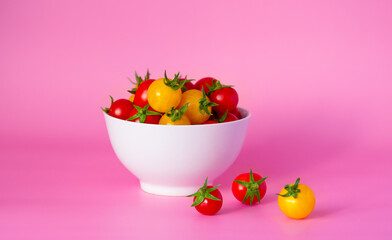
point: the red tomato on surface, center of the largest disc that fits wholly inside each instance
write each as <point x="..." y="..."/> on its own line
<point x="249" y="188"/>
<point x="226" y="98"/>
<point x="202" y="83"/>
<point x="144" y="115"/>
<point x="141" y="93"/>
<point x="207" y="200"/>
<point x="188" y="85"/>
<point x="120" y="108"/>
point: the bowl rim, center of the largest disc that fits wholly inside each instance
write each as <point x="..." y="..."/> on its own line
<point x="246" y="118"/>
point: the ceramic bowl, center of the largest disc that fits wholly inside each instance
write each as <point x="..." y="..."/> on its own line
<point x="175" y="160"/>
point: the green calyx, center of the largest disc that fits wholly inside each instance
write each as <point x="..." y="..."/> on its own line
<point x="139" y="81"/>
<point x="106" y="110"/>
<point x="223" y="118"/>
<point x="204" y="104"/>
<point x="175" y="84"/>
<point x="183" y="88"/>
<point x="292" y="189"/>
<point x="204" y="193"/>
<point x="252" y="188"/>
<point x="142" y="113"/>
<point x="176" y="114"/>
<point x="216" y="85"/>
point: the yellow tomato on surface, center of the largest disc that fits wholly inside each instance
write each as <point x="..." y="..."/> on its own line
<point x="165" y="120"/>
<point x="162" y="97"/>
<point x="132" y="97"/>
<point x="195" y="114"/>
<point x="296" y="200"/>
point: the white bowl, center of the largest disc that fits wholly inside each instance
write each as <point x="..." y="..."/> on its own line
<point x="175" y="160"/>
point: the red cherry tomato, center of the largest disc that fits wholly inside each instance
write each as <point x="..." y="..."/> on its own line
<point x="211" y="122"/>
<point x="207" y="200"/>
<point x="229" y="117"/>
<point x="144" y="115"/>
<point x="141" y="93"/>
<point x="120" y="108"/>
<point x="188" y="85"/>
<point x="237" y="113"/>
<point x="226" y="98"/>
<point x="249" y="188"/>
<point x="202" y="83"/>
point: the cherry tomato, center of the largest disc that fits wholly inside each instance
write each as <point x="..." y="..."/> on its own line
<point x="227" y="117"/>
<point x="249" y="188"/>
<point x="296" y="200"/>
<point x="120" y="108"/>
<point x="199" y="106"/>
<point x="144" y="115"/>
<point x="202" y="84"/>
<point x="187" y="85"/>
<point x="165" y="93"/>
<point x="175" y="117"/>
<point x="210" y="122"/>
<point x="207" y="200"/>
<point x="226" y="98"/>
<point x="237" y="113"/>
<point x="141" y="93"/>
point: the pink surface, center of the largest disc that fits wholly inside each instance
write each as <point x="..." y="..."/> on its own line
<point x="316" y="76"/>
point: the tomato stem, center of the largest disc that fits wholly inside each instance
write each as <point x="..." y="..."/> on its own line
<point x="292" y="189"/>
<point x="252" y="187"/>
<point x="204" y="193"/>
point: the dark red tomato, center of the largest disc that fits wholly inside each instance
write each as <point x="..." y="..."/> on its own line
<point x="226" y="98"/>
<point x="251" y="183"/>
<point x="152" y="119"/>
<point x="121" y="109"/>
<point x="202" y="83"/>
<point x="188" y="85"/>
<point x="141" y="93"/>
<point x="237" y="113"/>
<point x="210" y="206"/>
<point x="210" y="122"/>
<point x="229" y="117"/>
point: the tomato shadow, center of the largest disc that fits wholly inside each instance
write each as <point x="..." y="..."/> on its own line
<point x="327" y="211"/>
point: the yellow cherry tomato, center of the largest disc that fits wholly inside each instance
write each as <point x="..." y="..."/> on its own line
<point x="296" y="200"/>
<point x="192" y="97"/>
<point x="175" y="116"/>
<point x="162" y="97"/>
<point x="132" y="97"/>
<point x="165" y="120"/>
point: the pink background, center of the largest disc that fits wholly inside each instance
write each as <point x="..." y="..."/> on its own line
<point x="316" y="76"/>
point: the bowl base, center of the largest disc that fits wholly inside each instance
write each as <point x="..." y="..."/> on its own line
<point x="168" y="190"/>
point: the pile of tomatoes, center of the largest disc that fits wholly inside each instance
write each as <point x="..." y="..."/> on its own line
<point x="295" y="200"/>
<point x="177" y="101"/>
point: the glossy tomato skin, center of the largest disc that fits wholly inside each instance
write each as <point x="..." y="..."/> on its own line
<point x="192" y="97"/>
<point x="120" y="109"/>
<point x="210" y="206"/>
<point x="188" y="85"/>
<point x="202" y="83"/>
<point x="239" y="191"/>
<point x="151" y="119"/>
<point x="140" y="97"/>
<point x="161" y="97"/>
<point x="211" y="122"/>
<point x="226" y="98"/>
<point x="299" y="207"/>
